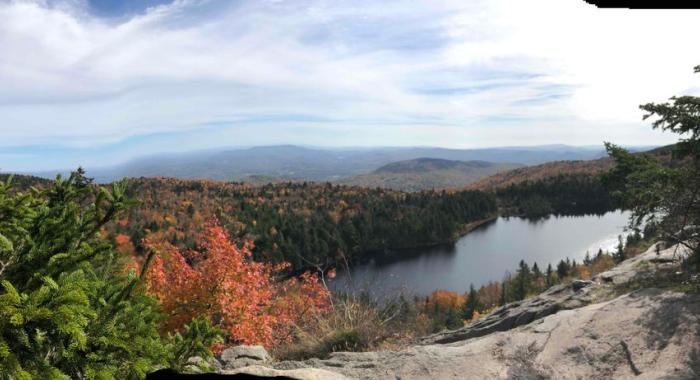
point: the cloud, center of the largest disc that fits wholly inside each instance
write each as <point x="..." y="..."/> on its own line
<point x="449" y="73"/>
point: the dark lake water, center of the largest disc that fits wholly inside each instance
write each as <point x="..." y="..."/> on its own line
<point x="485" y="254"/>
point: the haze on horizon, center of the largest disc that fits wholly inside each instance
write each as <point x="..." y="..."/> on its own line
<point x="103" y="81"/>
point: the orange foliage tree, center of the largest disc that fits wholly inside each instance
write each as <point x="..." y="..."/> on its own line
<point x="123" y="244"/>
<point x="221" y="281"/>
<point x="443" y="300"/>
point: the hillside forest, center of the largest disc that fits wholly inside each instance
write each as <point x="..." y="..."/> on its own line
<point x="325" y="225"/>
<point x="116" y="280"/>
<point x="201" y="265"/>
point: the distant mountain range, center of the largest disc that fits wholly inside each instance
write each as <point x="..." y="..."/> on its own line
<point x="422" y="165"/>
<point x="428" y="173"/>
<point x="287" y="162"/>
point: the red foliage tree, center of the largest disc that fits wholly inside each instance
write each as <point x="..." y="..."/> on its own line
<point x="221" y="281"/>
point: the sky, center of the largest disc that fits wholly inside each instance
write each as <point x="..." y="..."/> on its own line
<point x="94" y="83"/>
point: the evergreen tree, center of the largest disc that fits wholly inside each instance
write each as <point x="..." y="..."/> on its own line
<point x="549" y="279"/>
<point x="537" y="278"/>
<point x="505" y="289"/>
<point x="619" y="255"/>
<point x="522" y="281"/>
<point x="471" y="304"/>
<point x="66" y="308"/>
<point x="562" y="269"/>
<point x="453" y="320"/>
<point x="665" y="196"/>
<point x="536" y="272"/>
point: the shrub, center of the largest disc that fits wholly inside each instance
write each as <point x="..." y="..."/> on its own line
<point x="221" y="281"/>
<point x="357" y="323"/>
<point x="66" y="309"/>
<point x="347" y="340"/>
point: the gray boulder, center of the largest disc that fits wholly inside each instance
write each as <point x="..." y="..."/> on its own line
<point x="298" y="373"/>
<point x="577" y="285"/>
<point x="241" y="356"/>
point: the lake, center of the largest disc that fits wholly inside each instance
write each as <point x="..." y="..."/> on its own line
<point x="485" y="254"/>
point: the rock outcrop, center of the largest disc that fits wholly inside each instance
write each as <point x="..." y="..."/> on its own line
<point x="651" y="332"/>
<point x="598" y="329"/>
<point x="565" y="297"/>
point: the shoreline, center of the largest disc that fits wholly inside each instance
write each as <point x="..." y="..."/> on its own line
<point x="389" y="253"/>
<point x="469" y="227"/>
<point x="392" y="252"/>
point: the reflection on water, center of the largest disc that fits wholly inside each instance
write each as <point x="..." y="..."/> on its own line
<point x="485" y="254"/>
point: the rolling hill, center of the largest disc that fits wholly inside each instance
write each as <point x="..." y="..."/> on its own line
<point x="565" y="167"/>
<point x="290" y="162"/>
<point x="427" y="174"/>
<point x="542" y="171"/>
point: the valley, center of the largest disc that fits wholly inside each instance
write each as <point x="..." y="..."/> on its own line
<point x="326" y="225"/>
<point x="299" y="163"/>
<point x="377" y="251"/>
<point x="322" y="190"/>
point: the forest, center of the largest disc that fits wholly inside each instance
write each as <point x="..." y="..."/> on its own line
<point x="201" y="265"/>
<point x="563" y="194"/>
<point x="305" y="224"/>
<point x="71" y="307"/>
<point x="321" y="225"/>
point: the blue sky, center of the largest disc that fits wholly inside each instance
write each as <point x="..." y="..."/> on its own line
<point x="94" y="83"/>
<point x="121" y="8"/>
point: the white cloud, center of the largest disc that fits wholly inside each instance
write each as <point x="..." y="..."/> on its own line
<point x="442" y="73"/>
<point x="617" y="59"/>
